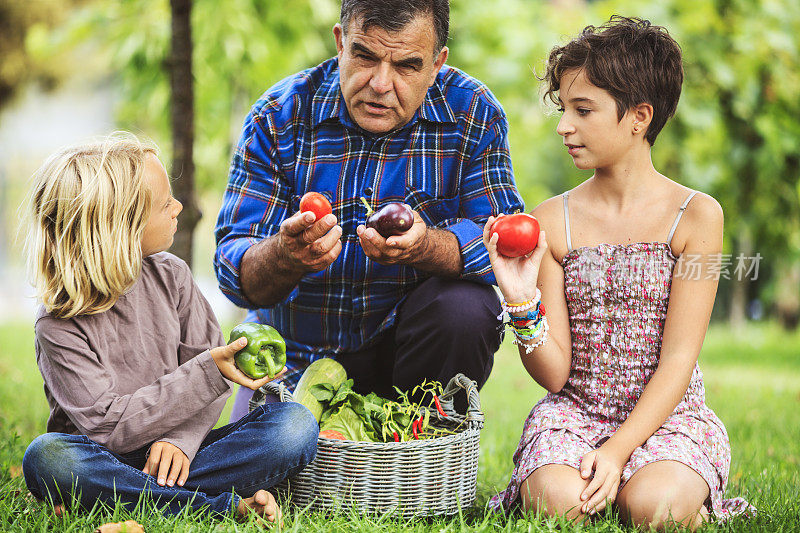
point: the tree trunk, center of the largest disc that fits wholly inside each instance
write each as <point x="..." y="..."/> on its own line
<point x="740" y="284"/>
<point x="182" y="121"/>
<point x="787" y="295"/>
<point x="742" y="133"/>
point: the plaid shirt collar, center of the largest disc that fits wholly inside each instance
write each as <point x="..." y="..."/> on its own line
<point x="328" y="104"/>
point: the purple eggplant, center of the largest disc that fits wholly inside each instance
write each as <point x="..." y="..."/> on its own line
<point x="392" y="219"/>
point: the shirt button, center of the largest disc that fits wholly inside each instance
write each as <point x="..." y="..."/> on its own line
<point x="368" y="191"/>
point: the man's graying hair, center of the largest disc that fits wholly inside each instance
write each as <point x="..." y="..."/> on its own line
<point x="393" y="15"/>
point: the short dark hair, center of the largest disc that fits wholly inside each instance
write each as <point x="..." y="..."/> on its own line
<point x="630" y="58"/>
<point x="393" y="15"/>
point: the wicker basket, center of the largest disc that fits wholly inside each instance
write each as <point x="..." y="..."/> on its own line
<point x="421" y="477"/>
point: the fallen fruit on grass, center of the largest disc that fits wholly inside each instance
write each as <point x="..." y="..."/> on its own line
<point x="392" y="219"/>
<point x="129" y="526"/>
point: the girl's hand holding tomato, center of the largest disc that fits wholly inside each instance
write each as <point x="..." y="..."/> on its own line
<point x="316" y="203"/>
<point x="516" y="276"/>
<point x="517" y="234"/>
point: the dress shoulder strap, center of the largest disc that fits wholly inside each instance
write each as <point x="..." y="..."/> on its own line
<point x="680" y="214"/>
<point x="566" y="221"/>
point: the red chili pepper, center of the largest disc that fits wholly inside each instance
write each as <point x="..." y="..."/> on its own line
<point x="414" y="429"/>
<point x="439" y="406"/>
<point x="396" y="436"/>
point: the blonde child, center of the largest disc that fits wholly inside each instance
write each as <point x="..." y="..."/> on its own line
<point x="606" y="316"/>
<point x="135" y="367"/>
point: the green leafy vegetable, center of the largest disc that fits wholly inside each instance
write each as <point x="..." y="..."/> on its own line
<point x="372" y="418"/>
<point x="323" y="392"/>
<point x="348" y="423"/>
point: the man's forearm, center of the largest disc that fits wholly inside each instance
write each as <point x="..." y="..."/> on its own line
<point x="265" y="276"/>
<point x="441" y="255"/>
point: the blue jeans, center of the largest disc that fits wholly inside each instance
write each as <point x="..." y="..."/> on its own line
<point x="265" y="447"/>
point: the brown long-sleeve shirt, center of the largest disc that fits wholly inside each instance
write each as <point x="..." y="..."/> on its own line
<point x="139" y="372"/>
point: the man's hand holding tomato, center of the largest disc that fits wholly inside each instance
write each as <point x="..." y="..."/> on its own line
<point x="516" y="276"/>
<point x="310" y="239"/>
<point x="316" y="203"/>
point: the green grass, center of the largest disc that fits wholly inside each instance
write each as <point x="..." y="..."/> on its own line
<point x="752" y="382"/>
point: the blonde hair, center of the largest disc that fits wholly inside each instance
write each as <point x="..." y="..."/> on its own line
<point x="86" y="212"/>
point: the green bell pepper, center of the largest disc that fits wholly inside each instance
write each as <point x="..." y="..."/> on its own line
<point x="265" y="353"/>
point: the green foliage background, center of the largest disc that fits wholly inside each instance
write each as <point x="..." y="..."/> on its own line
<point x="736" y="135"/>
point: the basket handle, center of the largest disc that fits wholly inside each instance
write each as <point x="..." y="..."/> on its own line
<point x="270" y="387"/>
<point x="460" y="381"/>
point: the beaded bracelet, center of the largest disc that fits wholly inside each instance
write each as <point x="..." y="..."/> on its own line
<point x="518" y="308"/>
<point x="531" y="332"/>
<point x="530" y="318"/>
<point x="534" y="332"/>
<point x="542" y="337"/>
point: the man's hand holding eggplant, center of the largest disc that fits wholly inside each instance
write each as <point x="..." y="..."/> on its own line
<point x="394" y="234"/>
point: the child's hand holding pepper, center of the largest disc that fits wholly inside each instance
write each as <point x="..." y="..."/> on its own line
<point x="223" y="357"/>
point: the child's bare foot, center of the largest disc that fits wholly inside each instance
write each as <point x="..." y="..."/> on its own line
<point x="263" y="504"/>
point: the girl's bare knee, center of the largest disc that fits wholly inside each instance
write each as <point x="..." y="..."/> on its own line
<point x="550" y="495"/>
<point x="659" y="509"/>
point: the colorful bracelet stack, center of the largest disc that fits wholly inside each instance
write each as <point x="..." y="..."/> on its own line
<point x="525" y="306"/>
<point x="529" y="330"/>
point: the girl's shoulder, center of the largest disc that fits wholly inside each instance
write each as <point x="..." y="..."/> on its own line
<point x="701" y="222"/>
<point x="550" y="212"/>
<point x="699" y="203"/>
<point x="703" y="207"/>
<point x="551" y="217"/>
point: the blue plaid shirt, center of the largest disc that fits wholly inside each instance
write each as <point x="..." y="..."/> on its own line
<point x="450" y="163"/>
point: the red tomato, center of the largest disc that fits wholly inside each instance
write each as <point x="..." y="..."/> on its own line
<point x="331" y="434"/>
<point x="517" y="234"/>
<point x="316" y="203"/>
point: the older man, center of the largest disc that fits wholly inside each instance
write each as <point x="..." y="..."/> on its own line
<point x="386" y="120"/>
